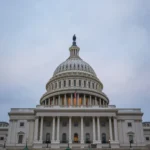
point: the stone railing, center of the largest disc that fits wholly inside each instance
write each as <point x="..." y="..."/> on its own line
<point x="22" y="109"/>
<point x="63" y="106"/>
<point x="131" y="110"/>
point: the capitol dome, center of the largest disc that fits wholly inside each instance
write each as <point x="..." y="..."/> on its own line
<point x="74" y="76"/>
<point x="74" y="64"/>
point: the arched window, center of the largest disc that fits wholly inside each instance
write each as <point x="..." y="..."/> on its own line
<point x="74" y="66"/>
<point x="84" y="83"/>
<point x="64" y="83"/>
<point x="78" y="66"/>
<point x="87" y="137"/>
<point x="64" y="138"/>
<point x="103" y="137"/>
<point x="93" y="85"/>
<point x="47" y="137"/>
<point x="89" y="84"/>
<point x="70" y="66"/>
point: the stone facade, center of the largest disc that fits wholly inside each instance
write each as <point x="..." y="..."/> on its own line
<point x="74" y="110"/>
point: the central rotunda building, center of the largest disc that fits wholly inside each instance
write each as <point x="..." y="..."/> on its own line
<point x="74" y="110"/>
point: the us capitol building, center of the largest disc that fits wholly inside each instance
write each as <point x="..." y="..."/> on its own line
<point x="75" y="111"/>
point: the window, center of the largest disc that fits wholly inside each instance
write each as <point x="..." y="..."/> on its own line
<point x="103" y="138"/>
<point x="60" y="84"/>
<point x="131" y="139"/>
<point x="56" y="85"/>
<point x="147" y="138"/>
<point x="21" y="124"/>
<point x="64" y="83"/>
<point x="79" y="82"/>
<point x="69" y="82"/>
<point x="20" y="139"/>
<point x="89" y="84"/>
<point x="75" y="124"/>
<point x="64" y="123"/>
<point x="93" y="85"/>
<point x="47" y="137"/>
<point x="74" y="82"/>
<point x="1" y="138"/>
<point x="84" y="83"/>
<point x="129" y="124"/>
<point x="64" y="138"/>
<point x="87" y="137"/>
<point x="78" y="67"/>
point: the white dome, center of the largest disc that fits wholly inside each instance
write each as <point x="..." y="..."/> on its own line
<point x="74" y="64"/>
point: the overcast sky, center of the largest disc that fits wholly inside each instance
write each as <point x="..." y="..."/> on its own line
<point x="113" y="36"/>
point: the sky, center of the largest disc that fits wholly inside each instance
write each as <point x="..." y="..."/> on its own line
<point x="113" y="37"/>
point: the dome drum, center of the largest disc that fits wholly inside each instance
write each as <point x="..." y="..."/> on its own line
<point x="79" y="98"/>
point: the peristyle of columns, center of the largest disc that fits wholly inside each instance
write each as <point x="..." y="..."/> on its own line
<point x="96" y="101"/>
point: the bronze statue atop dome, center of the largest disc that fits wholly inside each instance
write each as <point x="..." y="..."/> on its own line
<point x="74" y="38"/>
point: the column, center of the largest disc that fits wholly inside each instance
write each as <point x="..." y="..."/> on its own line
<point x="41" y="130"/>
<point x="58" y="122"/>
<point x="53" y="100"/>
<point x="100" y="102"/>
<point x="90" y="101"/>
<point x="36" y="129"/>
<point x="84" y="102"/>
<point x="78" y="100"/>
<point x="65" y="100"/>
<point x="49" y="101"/>
<point x="9" y="131"/>
<point x="59" y="100"/>
<point x="98" y="130"/>
<point x="110" y="129"/>
<point x="115" y="129"/>
<point x="70" y="140"/>
<point x="71" y="99"/>
<point x="53" y="131"/>
<point x="95" y="101"/>
<point x="82" y="139"/>
<point x="93" y="129"/>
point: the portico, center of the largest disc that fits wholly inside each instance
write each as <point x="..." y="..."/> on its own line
<point x="76" y="128"/>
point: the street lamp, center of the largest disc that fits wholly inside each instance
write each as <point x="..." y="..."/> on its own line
<point x="27" y="142"/>
<point x="109" y="144"/>
<point x="130" y="143"/>
<point x="47" y="143"/>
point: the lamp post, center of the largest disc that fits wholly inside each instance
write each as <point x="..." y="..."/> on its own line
<point x="27" y="142"/>
<point x="130" y="143"/>
<point x="47" y="143"/>
<point x="109" y="144"/>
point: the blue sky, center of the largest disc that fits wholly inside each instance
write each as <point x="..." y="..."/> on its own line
<point x="113" y="37"/>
